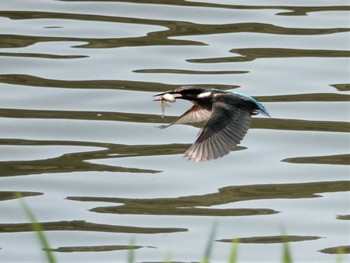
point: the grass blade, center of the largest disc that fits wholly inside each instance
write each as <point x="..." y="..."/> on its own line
<point x="234" y="251"/>
<point x="340" y="252"/>
<point x="131" y="254"/>
<point x="168" y="258"/>
<point x="209" y="247"/>
<point x="286" y="256"/>
<point x="38" y="229"/>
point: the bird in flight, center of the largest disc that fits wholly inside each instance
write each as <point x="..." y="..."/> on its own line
<point x="227" y="116"/>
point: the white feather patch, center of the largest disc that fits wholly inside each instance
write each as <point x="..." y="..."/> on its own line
<point x="204" y="95"/>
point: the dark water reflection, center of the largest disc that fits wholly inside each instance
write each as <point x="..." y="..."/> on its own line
<point x="77" y="115"/>
<point x="81" y="225"/>
<point x="258" y="53"/>
<point x="271" y="239"/>
<point x="341" y="159"/>
<point x="188" y="205"/>
<point x="162" y="37"/>
<point x="13" y="195"/>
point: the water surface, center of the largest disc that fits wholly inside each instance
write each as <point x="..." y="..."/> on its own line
<point x="78" y="136"/>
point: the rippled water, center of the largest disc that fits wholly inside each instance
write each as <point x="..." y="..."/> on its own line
<point x="78" y="135"/>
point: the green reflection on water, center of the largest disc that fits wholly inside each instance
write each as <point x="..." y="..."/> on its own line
<point x="270" y="239"/>
<point x="82" y="225"/>
<point x="192" y="205"/>
<point x="250" y="54"/>
<point x="34" y="81"/>
<point x="173" y="28"/>
<point x="342" y="159"/>
<point x="9" y="195"/>
<point x="95" y="248"/>
<point x="336" y="250"/>
<point x="73" y="162"/>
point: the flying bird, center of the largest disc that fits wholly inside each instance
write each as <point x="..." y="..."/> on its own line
<point x="227" y="116"/>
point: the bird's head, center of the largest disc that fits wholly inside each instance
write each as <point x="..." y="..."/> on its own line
<point x="184" y="92"/>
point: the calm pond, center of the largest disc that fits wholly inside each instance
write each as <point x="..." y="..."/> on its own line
<point x="79" y="139"/>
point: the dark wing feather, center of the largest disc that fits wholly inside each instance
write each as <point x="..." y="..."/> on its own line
<point x="194" y="114"/>
<point x="222" y="132"/>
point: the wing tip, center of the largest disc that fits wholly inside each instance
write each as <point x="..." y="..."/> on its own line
<point x="198" y="153"/>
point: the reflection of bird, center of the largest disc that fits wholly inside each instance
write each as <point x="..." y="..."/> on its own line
<point x="227" y="116"/>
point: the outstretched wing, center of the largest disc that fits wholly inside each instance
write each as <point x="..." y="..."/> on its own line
<point x="194" y="114"/>
<point x="225" y="128"/>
